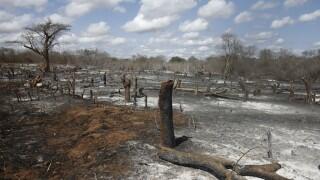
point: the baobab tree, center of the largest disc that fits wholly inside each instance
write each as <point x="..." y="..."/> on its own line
<point x="42" y="37"/>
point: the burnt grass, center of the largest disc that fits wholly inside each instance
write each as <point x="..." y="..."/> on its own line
<point x="70" y="138"/>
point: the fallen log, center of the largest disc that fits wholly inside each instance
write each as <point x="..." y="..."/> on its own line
<point x="221" y="96"/>
<point x="220" y="167"/>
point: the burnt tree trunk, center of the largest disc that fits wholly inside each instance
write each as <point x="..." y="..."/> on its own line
<point x="135" y="90"/>
<point x="244" y="89"/>
<point x="127" y="85"/>
<point x="308" y="87"/>
<point x="165" y="105"/>
<point x="73" y="84"/>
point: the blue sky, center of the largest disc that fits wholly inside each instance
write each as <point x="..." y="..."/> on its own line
<point x="168" y="27"/>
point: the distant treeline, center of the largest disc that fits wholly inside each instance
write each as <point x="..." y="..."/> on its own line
<point x="281" y="65"/>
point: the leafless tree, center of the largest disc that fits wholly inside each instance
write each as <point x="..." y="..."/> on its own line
<point x="42" y="37"/>
<point x="230" y="47"/>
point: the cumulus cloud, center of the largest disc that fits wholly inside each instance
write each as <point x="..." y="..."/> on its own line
<point x="15" y="23"/>
<point x="310" y="16"/>
<point x="217" y="9"/>
<point x="261" y="37"/>
<point x="203" y="48"/>
<point x="278" y="23"/>
<point x="244" y="16"/>
<point x="317" y="44"/>
<point x="263" y="5"/>
<point x="78" y="8"/>
<point x="198" y="24"/>
<point x="293" y="3"/>
<point x="120" y="9"/>
<point x="5" y="16"/>
<point x="190" y="35"/>
<point x="58" y="18"/>
<point x="154" y="15"/>
<point x="279" y="41"/>
<point x="24" y="3"/>
<point x="95" y="33"/>
<point x="97" y="29"/>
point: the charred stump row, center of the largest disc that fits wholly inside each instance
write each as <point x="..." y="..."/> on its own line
<point x="167" y="138"/>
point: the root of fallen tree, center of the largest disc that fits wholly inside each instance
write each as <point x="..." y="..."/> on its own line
<point x="221" y="168"/>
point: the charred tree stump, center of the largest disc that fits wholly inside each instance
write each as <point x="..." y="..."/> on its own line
<point x="91" y="94"/>
<point x="269" y="138"/>
<point x="105" y="79"/>
<point x="135" y="90"/>
<point x="308" y="87"/>
<point x="244" y="89"/>
<point x="73" y="84"/>
<point x="127" y="85"/>
<point x="145" y="101"/>
<point x="92" y="82"/>
<point x="166" y="122"/>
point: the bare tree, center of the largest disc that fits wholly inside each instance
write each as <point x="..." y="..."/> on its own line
<point x="42" y="37"/>
<point x="230" y="47"/>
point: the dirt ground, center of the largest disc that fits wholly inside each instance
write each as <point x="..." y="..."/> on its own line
<point x="77" y="140"/>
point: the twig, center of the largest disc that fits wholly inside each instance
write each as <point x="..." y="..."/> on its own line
<point x="244" y="154"/>
<point x="49" y="167"/>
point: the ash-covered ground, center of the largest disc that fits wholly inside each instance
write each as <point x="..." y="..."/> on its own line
<point x="218" y="126"/>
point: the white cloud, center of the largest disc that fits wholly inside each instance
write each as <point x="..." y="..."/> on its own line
<point x="70" y="38"/>
<point x="262" y="5"/>
<point x="244" y="16"/>
<point x="117" y="40"/>
<point x="278" y="23"/>
<point x="97" y="29"/>
<point x="217" y="9"/>
<point x="261" y="37"/>
<point x="9" y="37"/>
<point x="203" y="48"/>
<point x="317" y="44"/>
<point x="24" y="3"/>
<point x="310" y="16"/>
<point x="15" y="24"/>
<point x="58" y="18"/>
<point x="154" y="15"/>
<point x="198" y="24"/>
<point x="94" y="35"/>
<point x="279" y="41"/>
<point x="5" y="16"/>
<point x="190" y="35"/>
<point x="120" y="9"/>
<point x="141" y="24"/>
<point x="293" y="3"/>
<point x="78" y="8"/>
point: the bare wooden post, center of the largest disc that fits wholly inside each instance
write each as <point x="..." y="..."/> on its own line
<point x="126" y="84"/>
<point x="55" y="78"/>
<point x="105" y="79"/>
<point x="83" y="93"/>
<point x="166" y="122"/>
<point x="145" y="101"/>
<point x="92" y="82"/>
<point x="244" y="89"/>
<point x="91" y="94"/>
<point x="269" y="136"/>
<point x="196" y="84"/>
<point x="135" y="90"/>
<point x="308" y="87"/>
<point x="73" y="84"/>
<point x="29" y="94"/>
